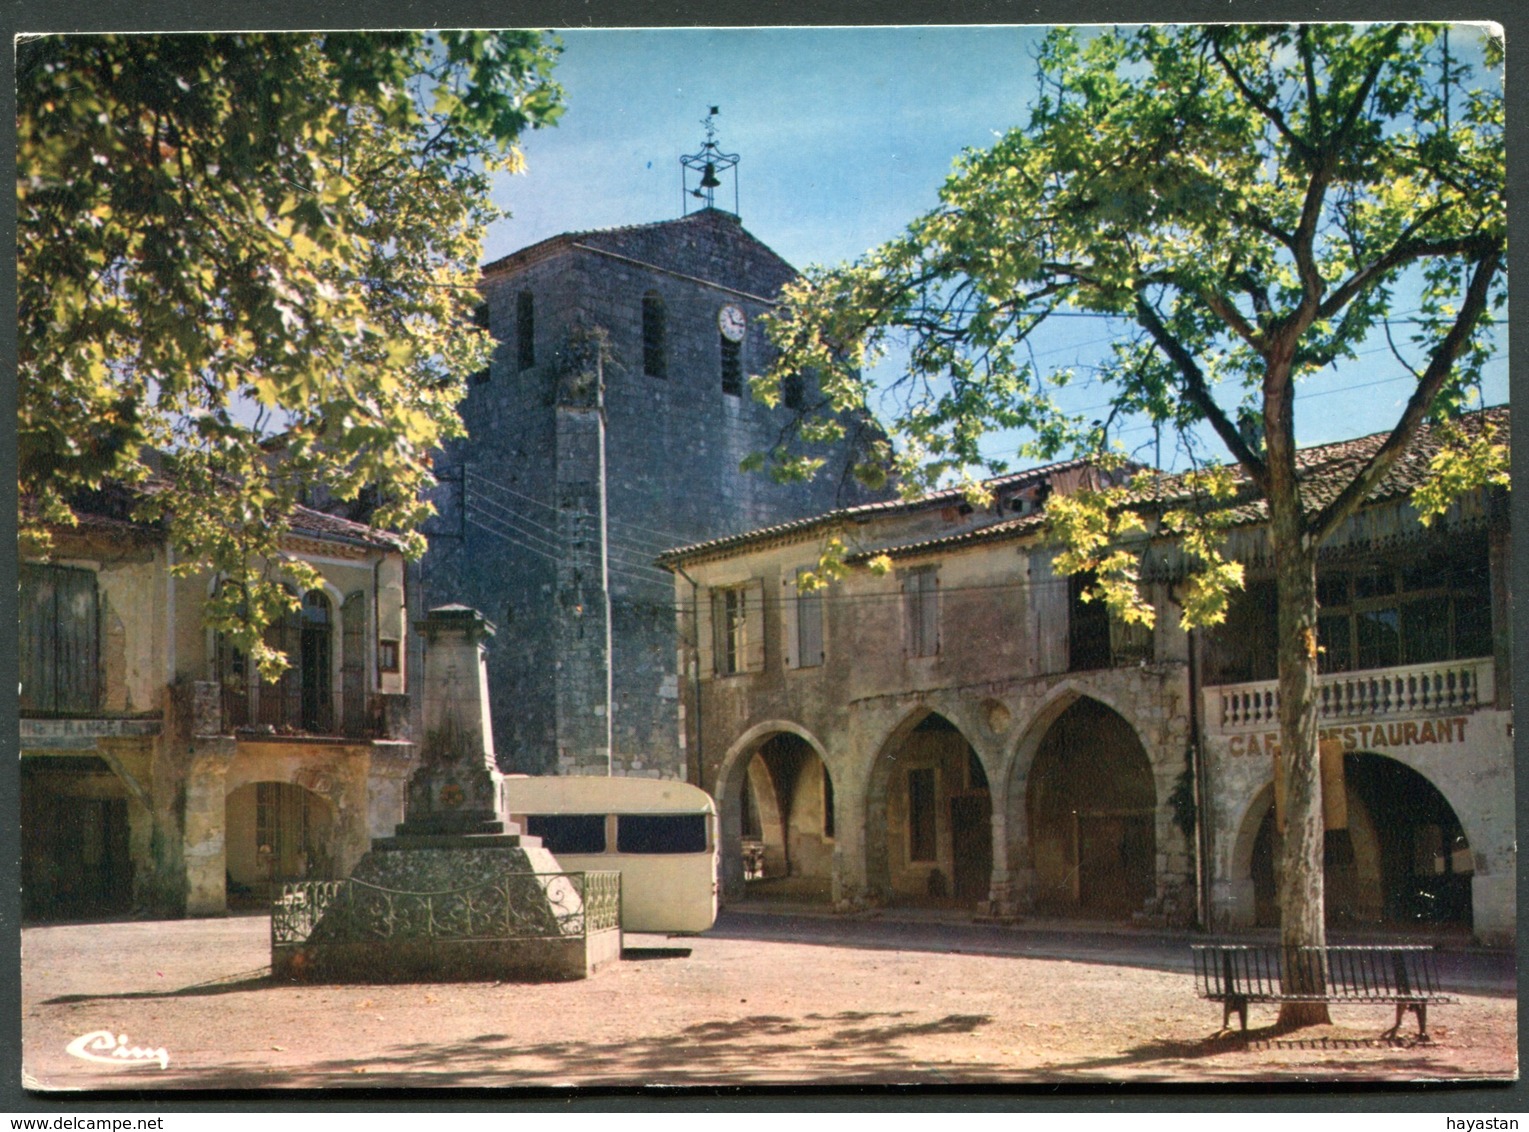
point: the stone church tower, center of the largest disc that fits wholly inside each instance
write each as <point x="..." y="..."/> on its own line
<point x="610" y="427"/>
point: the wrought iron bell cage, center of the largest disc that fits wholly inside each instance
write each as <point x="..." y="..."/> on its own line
<point x="701" y="172"/>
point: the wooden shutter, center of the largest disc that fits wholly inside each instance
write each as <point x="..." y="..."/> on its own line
<point x="809" y="628"/>
<point x="929" y="630"/>
<point x="353" y="658"/>
<point x="753" y="659"/>
<point x="79" y="628"/>
<point x="789" y="597"/>
<point x="36" y="644"/>
<point x="59" y="639"/>
<point x="705" y="622"/>
<point x="921" y="611"/>
<point x="1048" y="620"/>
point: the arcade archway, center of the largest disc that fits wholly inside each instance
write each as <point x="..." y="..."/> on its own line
<point x="1092" y="809"/>
<point x="276" y="832"/>
<point x="1402" y="859"/>
<point x="929" y="832"/>
<point x="787" y="820"/>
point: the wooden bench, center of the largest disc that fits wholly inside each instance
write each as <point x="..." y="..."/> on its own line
<point x="1237" y="974"/>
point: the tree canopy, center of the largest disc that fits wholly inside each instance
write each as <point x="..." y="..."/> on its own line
<point x="1252" y="199"/>
<point x="257" y="255"/>
<point x="1252" y="203"/>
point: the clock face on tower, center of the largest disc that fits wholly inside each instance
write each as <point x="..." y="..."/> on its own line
<point x="731" y="322"/>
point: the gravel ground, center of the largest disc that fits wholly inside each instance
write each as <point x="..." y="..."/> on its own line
<point x="738" y="1009"/>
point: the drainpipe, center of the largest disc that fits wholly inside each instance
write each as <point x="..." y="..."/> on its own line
<point x="1197" y="770"/>
<point x="695" y="655"/>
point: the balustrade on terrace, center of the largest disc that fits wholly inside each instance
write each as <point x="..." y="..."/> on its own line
<point x="1418" y="689"/>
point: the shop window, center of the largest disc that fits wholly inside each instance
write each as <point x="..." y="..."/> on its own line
<point x="1427" y="610"/>
<point x="525" y="331"/>
<point x="921" y="827"/>
<point x="921" y="610"/>
<point x="59" y="647"/>
<point x="655" y="360"/>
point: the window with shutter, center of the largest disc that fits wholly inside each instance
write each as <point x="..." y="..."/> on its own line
<point x="921" y="611"/>
<point x="809" y="626"/>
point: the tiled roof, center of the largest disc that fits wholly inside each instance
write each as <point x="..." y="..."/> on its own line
<point x="110" y="510"/>
<point x="703" y="218"/>
<point x="1323" y="469"/>
<point x="781" y="532"/>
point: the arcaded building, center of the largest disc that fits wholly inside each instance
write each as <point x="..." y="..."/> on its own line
<point x="965" y="731"/>
<point x="610" y="426"/>
<point x="159" y="775"/>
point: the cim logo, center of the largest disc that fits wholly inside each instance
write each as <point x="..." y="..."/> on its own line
<point x="106" y="1048"/>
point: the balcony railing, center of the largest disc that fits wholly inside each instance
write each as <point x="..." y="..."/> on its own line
<point x="1418" y="689"/>
<point x="374" y="716"/>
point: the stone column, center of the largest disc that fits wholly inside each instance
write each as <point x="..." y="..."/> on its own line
<point x="204" y="835"/>
<point x="851" y="882"/>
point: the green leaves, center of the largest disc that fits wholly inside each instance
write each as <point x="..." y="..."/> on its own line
<point x="257" y="253"/>
<point x="1252" y="198"/>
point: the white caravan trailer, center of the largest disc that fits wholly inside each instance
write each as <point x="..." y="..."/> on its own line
<point x="661" y="835"/>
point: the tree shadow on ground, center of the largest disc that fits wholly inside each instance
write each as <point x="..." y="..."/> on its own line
<point x="260" y="979"/>
<point x="854" y="1048"/>
<point x="1405" y="1057"/>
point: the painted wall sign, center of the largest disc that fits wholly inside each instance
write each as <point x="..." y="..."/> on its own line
<point x="1362" y="736"/>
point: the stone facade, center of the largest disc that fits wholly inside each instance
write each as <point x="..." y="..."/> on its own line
<point x="158" y="777"/>
<point x="983" y="739"/>
<point x="592" y="447"/>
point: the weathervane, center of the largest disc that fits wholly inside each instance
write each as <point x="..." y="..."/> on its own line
<point x="707" y="164"/>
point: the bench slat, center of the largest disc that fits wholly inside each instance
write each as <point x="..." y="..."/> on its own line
<point x="1405" y="975"/>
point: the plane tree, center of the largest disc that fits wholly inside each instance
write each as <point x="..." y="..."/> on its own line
<point x="1251" y="205"/>
<point x="255" y="255"/>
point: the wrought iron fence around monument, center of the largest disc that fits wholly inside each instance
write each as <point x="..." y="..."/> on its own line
<point x="571" y="905"/>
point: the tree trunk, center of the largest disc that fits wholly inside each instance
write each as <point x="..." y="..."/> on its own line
<point x="1301" y="902"/>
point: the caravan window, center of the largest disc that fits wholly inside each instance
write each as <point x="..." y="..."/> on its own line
<point x="661" y="833"/>
<point x="568" y="833"/>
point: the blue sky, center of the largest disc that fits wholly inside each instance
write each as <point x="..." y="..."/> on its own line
<point x="845" y="134"/>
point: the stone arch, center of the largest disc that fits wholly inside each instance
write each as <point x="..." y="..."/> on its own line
<point x="733" y="778"/>
<point x="1403" y="857"/>
<point x="1090" y="807"/>
<point x="276" y="831"/>
<point x="928" y="831"/>
<point x="1016" y="773"/>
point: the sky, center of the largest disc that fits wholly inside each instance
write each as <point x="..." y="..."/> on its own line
<point x="844" y="135"/>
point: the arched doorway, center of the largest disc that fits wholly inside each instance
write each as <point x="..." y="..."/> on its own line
<point x="933" y="842"/>
<point x="275" y="832"/>
<point x="787" y="820"/>
<point x="1092" y="812"/>
<point x="1402" y="859"/>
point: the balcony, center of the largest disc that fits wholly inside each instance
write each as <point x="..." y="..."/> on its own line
<point x="1421" y="689"/>
<point x="359" y="716"/>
